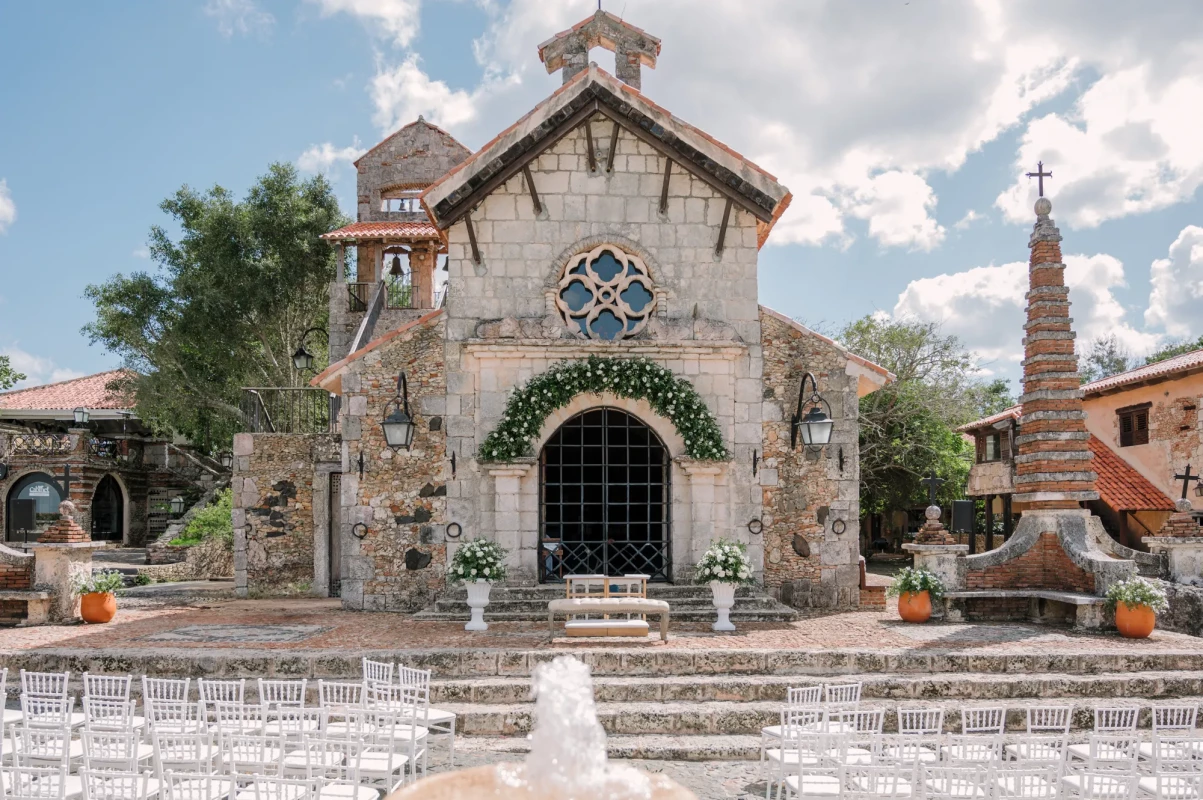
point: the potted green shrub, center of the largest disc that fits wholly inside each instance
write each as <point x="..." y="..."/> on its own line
<point x="98" y="596"/>
<point x="725" y="566"/>
<point x="1136" y="603"/>
<point x="916" y="590"/>
<point x="478" y="564"/>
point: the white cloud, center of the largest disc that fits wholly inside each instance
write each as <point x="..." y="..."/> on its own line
<point x="984" y="307"/>
<point x="970" y="217"/>
<point x="403" y="92"/>
<point x="37" y="369"/>
<point x="897" y="206"/>
<point x="1176" y="298"/>
<point x="141" y="252"/>
<point x="321" y="157"/>
<point x="8" y="208"/>
<point x="243" y="17"/>
<point x="393" y="19"/>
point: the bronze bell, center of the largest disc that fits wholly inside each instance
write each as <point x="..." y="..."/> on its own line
<point x="395" y="269"/>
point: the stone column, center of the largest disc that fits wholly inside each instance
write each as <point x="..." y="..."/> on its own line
<point x="507" y="517"/>
<point x="62" y="558"/>
<point x="702" y="529"/>
<point x="1180" y="540"/>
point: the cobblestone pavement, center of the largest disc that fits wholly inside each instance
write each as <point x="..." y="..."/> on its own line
<point x="317" y="624"/>
<point x="709" y="780"/>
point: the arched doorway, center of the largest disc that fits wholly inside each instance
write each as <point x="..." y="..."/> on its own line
<point x="32" y="506"/>
<point x="604" y="499"/>
<point x="108" y="511"/>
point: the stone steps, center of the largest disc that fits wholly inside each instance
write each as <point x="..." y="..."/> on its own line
<point x="695" y="615"/>
<point x="983" y="688"/>
<point x="662" y="747"/>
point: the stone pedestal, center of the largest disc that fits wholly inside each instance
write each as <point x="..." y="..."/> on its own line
<point x="62" y="559"/>
<point x="933" y="531"/>
<point x="1181" y="541"/>
<point x="945" y="561"/>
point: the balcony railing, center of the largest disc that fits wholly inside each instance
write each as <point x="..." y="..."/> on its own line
<point x="128" y="452"/>
<point x="41" y="444"/>
<point x="289" y="409"/>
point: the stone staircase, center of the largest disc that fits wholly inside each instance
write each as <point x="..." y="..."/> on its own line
<point x="688" y="603"/>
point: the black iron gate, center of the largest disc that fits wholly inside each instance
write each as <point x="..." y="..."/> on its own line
<point x="333" y="531"/>
<point x="604" y="499"/>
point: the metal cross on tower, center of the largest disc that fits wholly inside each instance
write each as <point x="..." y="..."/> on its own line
<point x="933" y="485"/>
<point x="1186" y="478"/>
<point x="1040" y="175"/>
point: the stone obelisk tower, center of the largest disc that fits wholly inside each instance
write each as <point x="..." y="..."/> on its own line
<point x="1052" y="467"/>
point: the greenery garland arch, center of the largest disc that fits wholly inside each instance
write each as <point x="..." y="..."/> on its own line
<point x="635" y="378"/>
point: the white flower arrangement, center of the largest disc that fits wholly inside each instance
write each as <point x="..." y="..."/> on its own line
<point x="725" y="562"/>
<point x="636" y="378"/>
<point x="479" y="559"/>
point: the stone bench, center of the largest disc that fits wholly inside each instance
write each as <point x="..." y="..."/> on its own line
<point x="37" y="604"/>
<point x="1088" y="611"/>
<point x="609" y="605"/>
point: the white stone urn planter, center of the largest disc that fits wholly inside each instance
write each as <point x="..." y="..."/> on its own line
<point x="478" y="600"/>
<point x="724" y="599"/>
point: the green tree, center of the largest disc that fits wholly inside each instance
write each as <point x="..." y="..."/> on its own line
<point x="227" y="305"/>
<point x="908" y="427"/>
<point x="8" y="375"/>
<point x="1174" y="348"/>
<point x="1103" y="357"/>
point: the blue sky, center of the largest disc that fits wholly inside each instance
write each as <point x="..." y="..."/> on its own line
<point x="902" y="129"/>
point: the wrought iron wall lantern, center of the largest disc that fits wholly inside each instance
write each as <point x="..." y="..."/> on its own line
<point x="302" y="359"/>
<point x="226" y="459"/>
<point x="815" y="427"/>
<point x="82" y="415"/>
<point x="177" y="505"/>
<point x="359" y="530"/>
<point x="398" y="425"/>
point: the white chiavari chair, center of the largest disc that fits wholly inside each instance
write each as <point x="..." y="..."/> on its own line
<point x="44" y="711"/>
<point x="1174" y="780"/>
<point x="45" y="747"/>
<point x="1175" y="726"/>
<point x="1108" y="784"/>
<point x="112" y="785"/>
<point x="987" y="720"/>
<point x="237" y="717"/>
<point x="223" y="691"/>
<point x="44" y="684"/>
<point x="394" y="751"/>
<point x="795" y="723"/>
<point x="965" y="781"/>
<point x="289" y="724"/>
<point x="333" y="765"/>
<point x="1049" y="748"/>
<point x="971" y="748"/>
<point x="841" y="696"/>
<point x="1028" y="780"/>
<point x="111" y="714"/>
<point x="198" y="786"/>
<point x="40" y="783"/>
<point x="1115" y="719"/>
<point x="1172" y="746"/>
<point x="439" y="721"/>
<point x="377" y="671"/>
<point x="184" y="752"/>
<point x="282" y="693"/>
<point x="8" y="716"/>
<point x="818" y="771"/>
<point x="339" y="694"/>
<point x="918" y="738"/>
<point x="249" y="754"/>
<point x="1041" y="722"/>
<point x="175" y="690"/>
<point x="1175" y="718"/>
<point x="893" y="781"/>
<point x="795" y="697"/>
<point x="116" y="750"/>
<point x="270" y="787"/>
<point x="1112" y="749"/>
<point x="107" y="687"/>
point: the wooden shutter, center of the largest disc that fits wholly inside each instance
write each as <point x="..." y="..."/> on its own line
<point x="1004" y="447"/>
<point x="1140" y="427"/>
<point x="980" y="443"/>
<point x="1125" y="430"/>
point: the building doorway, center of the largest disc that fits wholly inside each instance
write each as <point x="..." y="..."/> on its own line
<point x="604" y="499"/>
<point x="108" y="511"/>
<point x="32" y="507"/>
<point x="334" y="548"/>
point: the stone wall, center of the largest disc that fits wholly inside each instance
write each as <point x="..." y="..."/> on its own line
<point x="1045" y="565"/>
<point x="274" y="527"/>
<point x="806" y="563"/>
<point x="1185" y="614"/>
<point x="414" y="157"/>
<point x="400" y="562"/>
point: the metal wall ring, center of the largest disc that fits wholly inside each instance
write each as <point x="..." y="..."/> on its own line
<point x="839" y="526"/>
<point x="459" y="529"/>
<point x="359" y="530"/>
<point x="755" y="526"/>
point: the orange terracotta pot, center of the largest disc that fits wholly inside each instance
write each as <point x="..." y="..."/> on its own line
<point x="98" y="607"/>
<point x="1135" y="622"/>
<point x="914" y="606"/>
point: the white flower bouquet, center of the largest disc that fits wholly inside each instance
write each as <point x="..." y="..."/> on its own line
<point x="479" y="559"/>
<point x="725" y="562"/>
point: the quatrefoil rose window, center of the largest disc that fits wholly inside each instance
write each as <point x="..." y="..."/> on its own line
<point x="605" y="294"/>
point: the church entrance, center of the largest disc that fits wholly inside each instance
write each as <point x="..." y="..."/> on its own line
<point x="108" y="511"/>
<point x="604" y="499"/>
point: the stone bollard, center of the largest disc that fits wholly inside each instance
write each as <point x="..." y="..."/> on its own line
<point x="1181" y="541"/>
<point x="936" y="550"/>
<point x="62" y="558"/>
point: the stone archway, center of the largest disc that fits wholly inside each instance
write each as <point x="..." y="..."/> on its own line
<point x="604" y="498"/>
<point x="110" y="519"/>
<point x="31" y="505"/>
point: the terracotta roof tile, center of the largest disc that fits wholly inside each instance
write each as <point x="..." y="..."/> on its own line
<point x="1120" y="486"/>
<point x="385" y="230"/>
<point x="322" y="379"/>
<point x="986" y="422"/>
<point x="88" y="392"/>
<point x="1162" y="370"/>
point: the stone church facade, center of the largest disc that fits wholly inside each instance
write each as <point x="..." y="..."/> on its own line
<point x="597" y="230"/>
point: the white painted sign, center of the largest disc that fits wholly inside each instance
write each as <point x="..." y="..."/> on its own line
<point x="39" y="490"/>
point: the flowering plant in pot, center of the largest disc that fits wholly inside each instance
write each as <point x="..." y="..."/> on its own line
<point x="478" y="564"/>
<point x="725" y="566"/>
<point x="97" y="595"/>
<point x="1136" y="603"/>
<point x="915" y="589"/>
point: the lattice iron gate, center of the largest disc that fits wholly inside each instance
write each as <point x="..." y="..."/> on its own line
<point x="604" y="499"/>
<point x="334" y="532"/>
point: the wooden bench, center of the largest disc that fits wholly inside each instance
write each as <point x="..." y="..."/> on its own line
<point x="1084" y="611"/>
<point x="606" y="606"/>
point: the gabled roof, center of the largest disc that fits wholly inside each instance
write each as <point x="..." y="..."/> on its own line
<point x="375" y="231"/>
<point x="452" y="142"/>
<point x="1120" y="486"/>
<point x="1171" y="368"/>
<point x="1013" y="412"/>
<point x="88" y="392"/>
<point x="592" y="91"/>
<point x="331" y="377"/>
<point x="874" y="376"/>
<point x="601" y="25"/>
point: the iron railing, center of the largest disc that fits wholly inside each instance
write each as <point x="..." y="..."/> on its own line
<point x="128" y="452"/>
<point x="400" y="293"/>
<point x="358" y="296"/>
<point x="41" y="444"/>
<point x="289" y="409"/>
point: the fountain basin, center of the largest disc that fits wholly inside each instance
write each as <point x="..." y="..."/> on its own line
<point x="506" y="781"/>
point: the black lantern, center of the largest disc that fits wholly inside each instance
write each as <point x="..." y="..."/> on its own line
<point x="81" y="416"/>
<point x="302" y="359"/>
<point x="226" y="459"/>
<point x="398" y="425"/>
<point x="177" y="505"/>
<point x="815" y="427"/>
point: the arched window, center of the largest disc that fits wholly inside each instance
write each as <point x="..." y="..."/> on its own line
<point x="605" y="293"/>
<point x="32" y="507"/>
